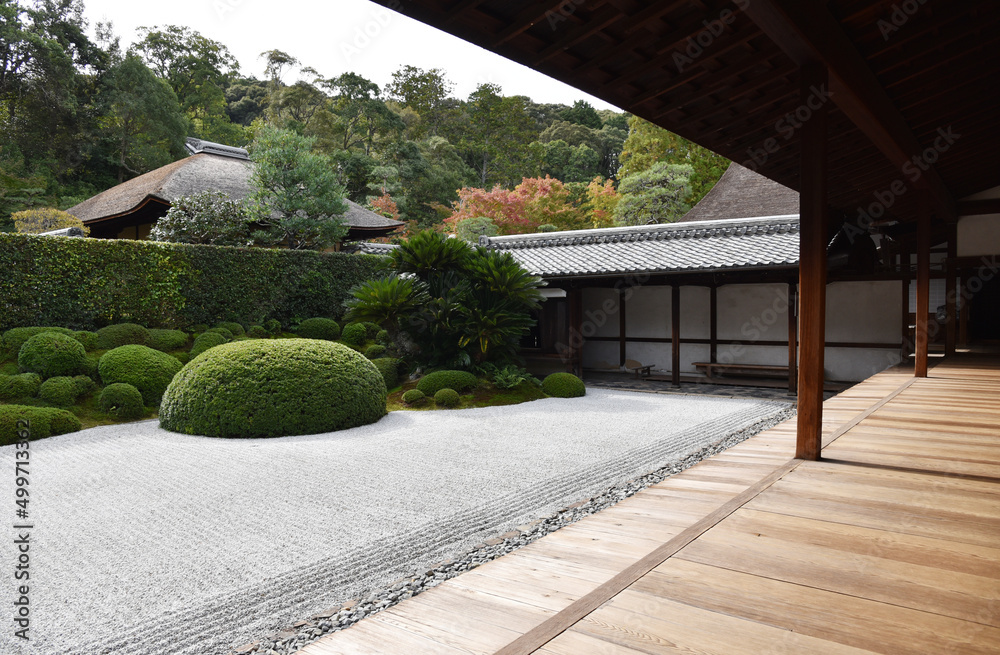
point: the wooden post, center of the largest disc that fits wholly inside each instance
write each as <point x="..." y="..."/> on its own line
<point x="951" y="295"/>
<point x="621" y="327"/>
<point x="963" y="315"/>
<point x="713" y="336"/>
<point x="904" y="268"/>
<point x="675" y="335"/>
<point x="793" y="341"/>
<point x="813" y="239"/>
<point x="923" y="287"/>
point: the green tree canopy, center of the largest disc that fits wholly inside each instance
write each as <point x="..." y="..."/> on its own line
<point x="655" y="195"/>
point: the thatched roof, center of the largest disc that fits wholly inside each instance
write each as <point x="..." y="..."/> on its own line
<point x="741" y="193"/>
<point x="204" y="171"/>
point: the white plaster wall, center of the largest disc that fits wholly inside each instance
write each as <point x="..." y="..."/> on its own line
<point x="864" y="312"/>
<point x="979" y="235"/>
<point x="600" y="355"/>
<point x="696" y="313"/>
<point x="743" y="353"/>
<point x="656" y="355"/>
<point x="600" y="314"/>
<point x="855" y="365"/>
<point x="647" y="312"/>
<point x="753" y="312"/>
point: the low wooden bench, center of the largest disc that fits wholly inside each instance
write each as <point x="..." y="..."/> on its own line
<point x="762" y="370"/>
<point x="640" y="370"/>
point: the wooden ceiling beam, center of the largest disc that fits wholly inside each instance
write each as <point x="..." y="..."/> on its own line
<point x="599" y="20"/>
<point x="808" y="32"/>
<point x="978" y="207"/>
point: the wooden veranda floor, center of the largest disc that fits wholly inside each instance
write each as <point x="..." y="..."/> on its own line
<point x="889" y="545"/>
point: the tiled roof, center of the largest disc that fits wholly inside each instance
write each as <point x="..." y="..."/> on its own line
<point x="771" y="242"/>
<point x="368" y="248"/>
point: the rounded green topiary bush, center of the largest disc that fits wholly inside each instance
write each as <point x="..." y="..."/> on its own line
<point x="121" y="400"/>
<point x="459" y="380"/>
<point x="274" y="388"/>
<point x="183" y="358"/>
<point x="14" y="338"/>
<point x="273" y="326"/>
<point x="206" y="341"/>
<point x="374" y="351"/>
<point x="25" y="385"/>
<point x="225" y="332"/>
<point x="233" y="327"/>
<point x="325" y="329"/>
<point x="122" y="334"/>
<point x="414" y="397"/>
<point x="61" y="391"/>
<point x="84" y="385"/>
<point x="51" y="354"/>
<point x="88" y="339"/>
<point x="167" y="340"/>
<point x="446" y="398"/>
<point x="387" y="367"/>
<point x="382" y="337"/>
<point x="42" y="422"/>
<point x="89" y="367"/>
<point x="148" y="370"/>
<point x="258" y="332"/>
<point x="354" y="334"/>
<point x="563" y="385"/>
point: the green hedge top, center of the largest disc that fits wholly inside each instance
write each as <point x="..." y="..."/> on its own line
<point x="87" y="284"/>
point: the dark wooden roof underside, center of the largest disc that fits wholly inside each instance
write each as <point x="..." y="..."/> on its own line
<point x="939" y="70"/>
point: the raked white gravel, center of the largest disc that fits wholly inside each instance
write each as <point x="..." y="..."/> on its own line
<point x="153" y="543"/>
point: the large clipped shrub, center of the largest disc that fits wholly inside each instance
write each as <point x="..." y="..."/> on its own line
<point x="446" y="398"/>
<point x="84" y="385"/>
<point x="51" y="354"/>
<point x="121" y="400"/>
<point x="60" y="391"/>
<point x="226" y="332"/>
<point x="375" y="351"/>
<point x="563" y="385"/>
<point x="388" y="367"/>
<point x="233" y="327"/>
<point x="167" y="340"/>
<point x="42" y="422"/>
<point x="274" y="388"/>
<point x="273" y="326"/>
<point x="122" y="334"/>
<point x="14" y="338"/>
<point x="88" y="339"/>
<point x="206" y="341"/>
<point x="431" y="383"/>
<point x="148" y="370"/>
<point x="15" y="387"/>
<point x="325" y="329"/>
<point x="354" y="334"/>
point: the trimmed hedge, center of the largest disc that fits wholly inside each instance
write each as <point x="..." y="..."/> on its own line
<point x="446" y="398"/>
<point x="84" y="385"/>
<point x="354" y="334"/>
<point x="206" y="341"/>
<point x="25" y="385"/>
<point x="459" y="380"/>
<point x="223" y="331"/>
<point x="121" y="334"/>
<point x="375" y="351"/>
<point x="148" y="370"/>
<point x="233" y="327"/>
<point x="414" y="397"/>
<point x="388" y="368"/>
<point x="51" y="354"/>
<point x="89" y="283"/>
<point x="564" y="385"/>
<point x="274" y="388"/>
<point x="258" y="332"/>
<point x="42" y="422"/>
<point x="167" y="340"/>
<point x="60" y="391"/>
<point x="90" y="340"/>
<point x="325" y="329"/>
<point x="121" y="400"/>
<point x="14" y="338"/>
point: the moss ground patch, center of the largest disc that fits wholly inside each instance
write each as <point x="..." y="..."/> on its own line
<point x="483" y="395"/>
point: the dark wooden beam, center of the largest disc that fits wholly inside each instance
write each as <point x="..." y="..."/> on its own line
<point x="904" y="267"/>
<point x="951" y="293"/>
<point x="808" y="32"/>
<point x="979" y="207"/>
<point x="793" y="340"/>
<point x="675" y="335"/>
<point x="923" y="289"/>
<point x="813" y="240"/>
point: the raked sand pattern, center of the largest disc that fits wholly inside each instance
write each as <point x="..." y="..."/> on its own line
<point x="147" y="541"/>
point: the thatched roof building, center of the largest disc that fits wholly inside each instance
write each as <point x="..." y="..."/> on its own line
<point x="744" y="193"/>
<point x="129" y="210"/>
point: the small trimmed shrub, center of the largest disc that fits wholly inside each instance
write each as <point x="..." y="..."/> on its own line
<point x="121" y="400"/>
<point x="89" y="367"/>
<point x="274" y="388"/>
<point x="167" y="340"/>
<point x="14" y="338"/>
<point x="225" y="332"/>
<point x="206" y="341"/>
<point x="563" y="385"/>
<point x="42" y="422"/>
<point x="51" y="354"/>
<point x="88" y="339"/>
<point x="374" y="351"/>
<point x="148" y="370"/>
<point x="325" y="329"/>
<point x="354" y="334"/>
<point x="84" y="385"/>
<point x="233" y="327"/>
<point x="414" y="397"/>
<point x="459" y="380"/>
<point x="446" y="398"/>
<point x="273" y="326"/>
<point x="60" y="391"/>
<point x="372" y="330"/>
<point x="258" y="332"/>
<point x="25" y="385"/>
<point x="122" y="334"/>
<point x="387" y="366"/>
<point x="382" y="337"/>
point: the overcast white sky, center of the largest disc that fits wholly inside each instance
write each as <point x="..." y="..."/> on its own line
<point x="334" y="37"/>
